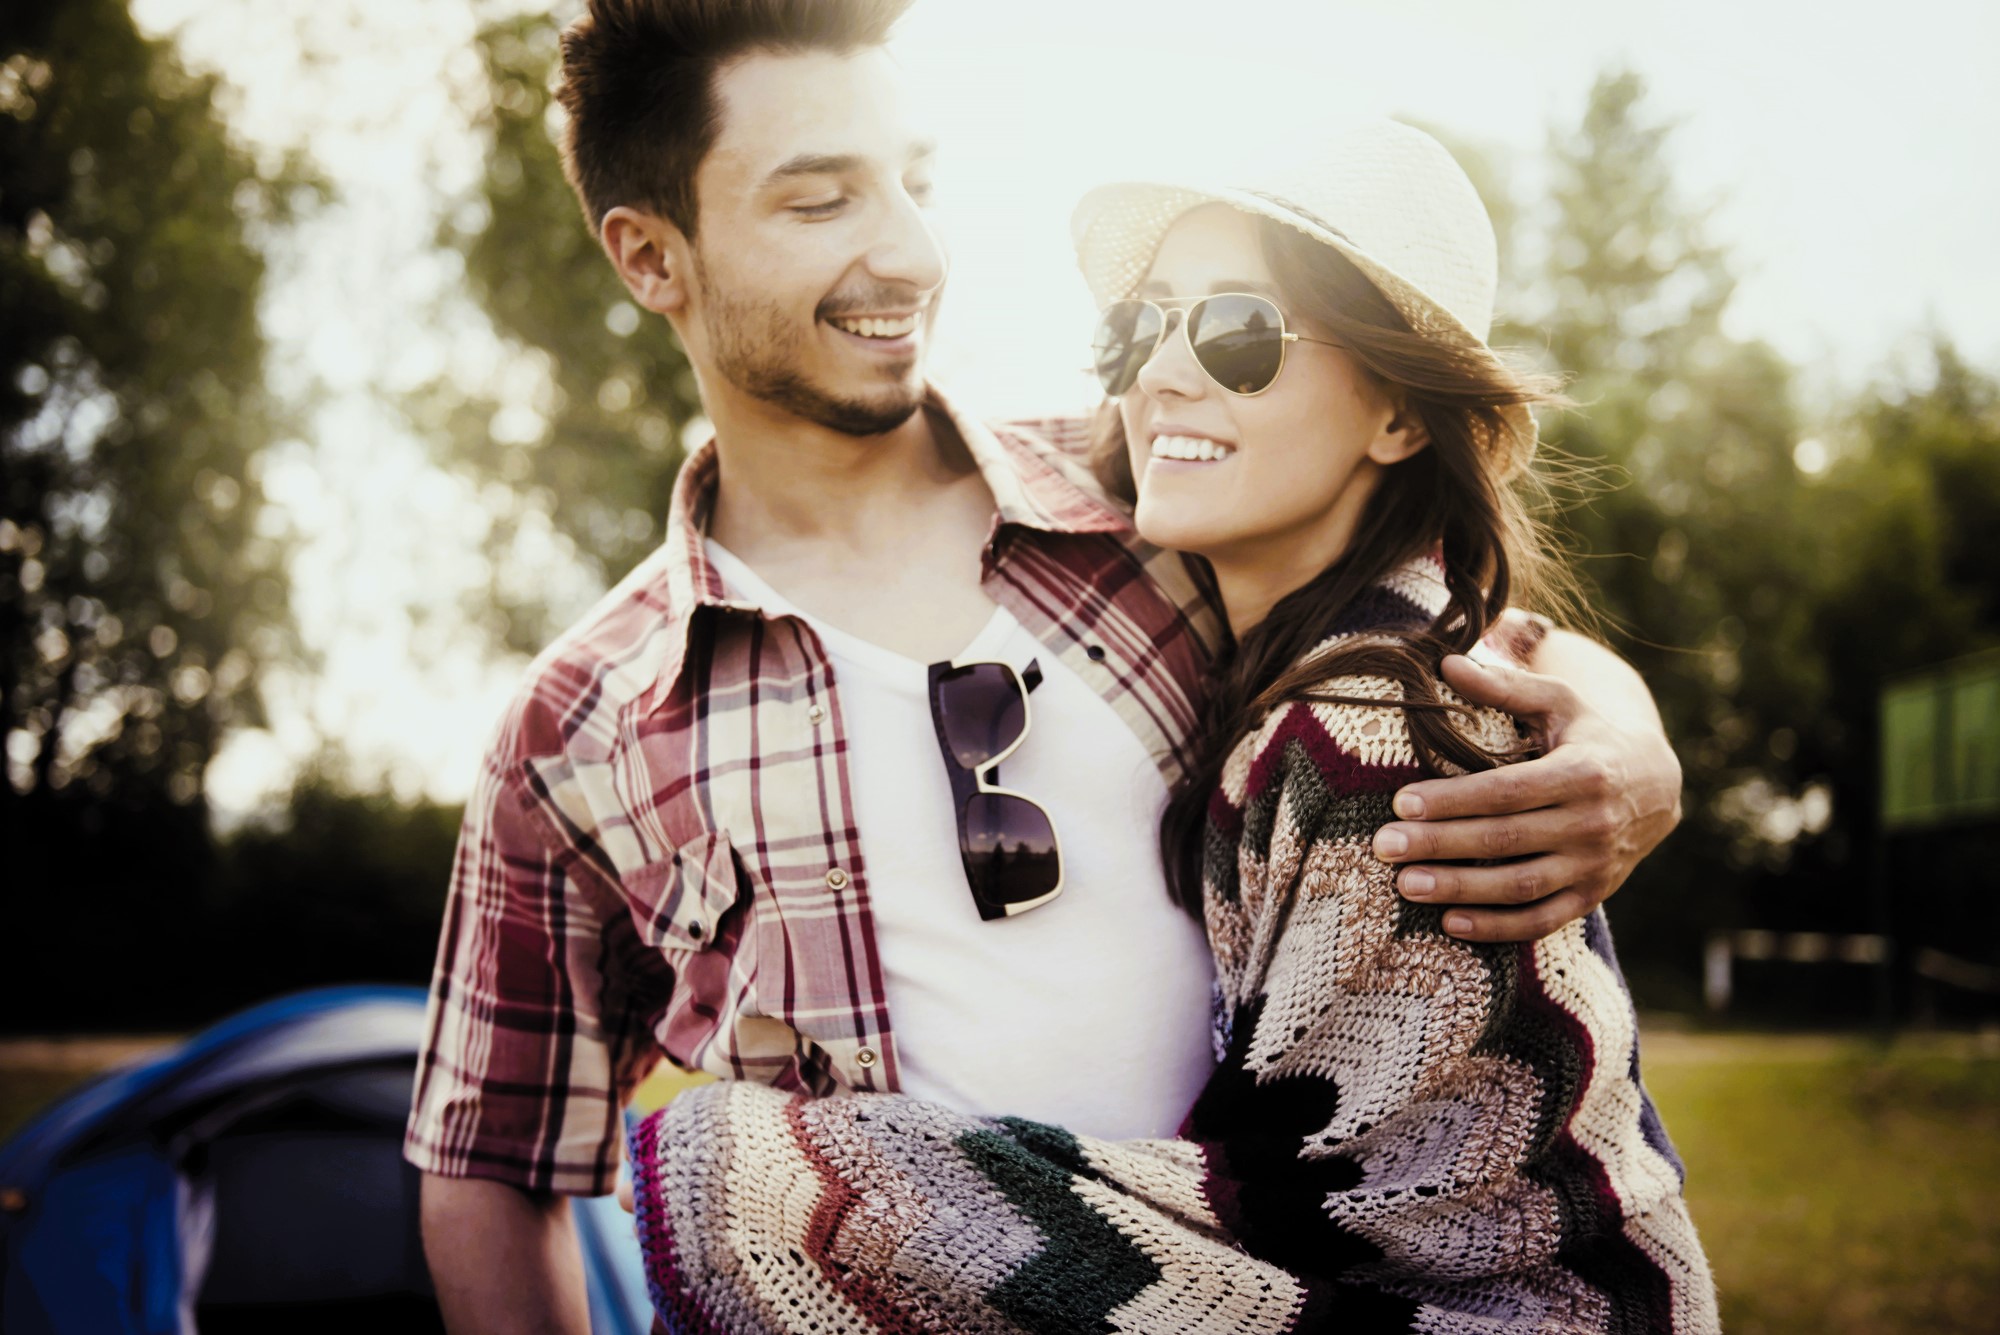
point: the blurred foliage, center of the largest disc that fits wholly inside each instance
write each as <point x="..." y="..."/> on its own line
<point x="139" y="591"/>
<point x="346" y="887"/>
<point x="583" y="430"/>
<point x="1764" y="578"/>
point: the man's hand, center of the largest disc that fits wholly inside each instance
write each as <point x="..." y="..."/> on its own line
<point x="1570" y="825"/>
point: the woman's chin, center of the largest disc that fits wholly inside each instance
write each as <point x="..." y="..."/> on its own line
<point x="1175" y="528"/>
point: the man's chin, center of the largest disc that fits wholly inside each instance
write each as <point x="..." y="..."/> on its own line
<point x="872" y="414"/>
<point x="872" y="417"/>
<point x="869" y="406"/>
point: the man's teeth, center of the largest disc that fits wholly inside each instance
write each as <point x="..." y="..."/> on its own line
<point x="871" y="327"/>
<point x="1190" y="447"/>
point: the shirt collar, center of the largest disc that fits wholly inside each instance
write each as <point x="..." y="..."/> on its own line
<point x="1035" y="485"/>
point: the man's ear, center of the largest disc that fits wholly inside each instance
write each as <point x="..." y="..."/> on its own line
<point x="1402" y="436"/>
<point x="651" y="255"/>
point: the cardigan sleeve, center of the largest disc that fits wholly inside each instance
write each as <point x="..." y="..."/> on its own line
<point x="1378" y="1148"/>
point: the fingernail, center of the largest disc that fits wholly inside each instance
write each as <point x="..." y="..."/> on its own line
<point x="1391" y="844"/>
<point x="1409" y="806"/>
<point x="1458" y="924"/>
<point x="1416" y="883"/>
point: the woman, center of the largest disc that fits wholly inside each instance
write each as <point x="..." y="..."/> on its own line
<point x="1405" y="1131"/>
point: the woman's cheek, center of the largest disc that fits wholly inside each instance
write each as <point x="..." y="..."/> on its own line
<point x="1137" y="449"/>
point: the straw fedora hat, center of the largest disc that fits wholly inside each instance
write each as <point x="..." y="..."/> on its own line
<point x="1385" y="195"/>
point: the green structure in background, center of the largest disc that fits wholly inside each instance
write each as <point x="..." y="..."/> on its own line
<point x="1940" y="771"/>
<point x="1941" y="744"/>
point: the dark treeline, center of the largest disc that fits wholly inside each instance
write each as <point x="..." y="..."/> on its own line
<point x="1765" y="561"/>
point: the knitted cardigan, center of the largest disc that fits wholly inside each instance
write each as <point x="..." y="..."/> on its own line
<point x="1404" y="1132"/>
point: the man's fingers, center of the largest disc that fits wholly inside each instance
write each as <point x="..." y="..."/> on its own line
<point x="1564" y="775"/>
<point x="1523" y="924"/>
<point x="1481" y="838"/>
<point x="1511" y="883"/>
<point x="1510" y="690"/>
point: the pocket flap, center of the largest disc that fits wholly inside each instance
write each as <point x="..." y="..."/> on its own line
<point x="677" y="902"/>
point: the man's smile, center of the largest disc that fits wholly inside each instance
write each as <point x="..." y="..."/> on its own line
<point x="877" y="326"/>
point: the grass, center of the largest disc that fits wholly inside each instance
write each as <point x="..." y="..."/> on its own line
<point x="1839" y="1187"/>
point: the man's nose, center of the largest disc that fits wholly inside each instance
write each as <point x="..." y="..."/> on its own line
<point x="908" y="251"/>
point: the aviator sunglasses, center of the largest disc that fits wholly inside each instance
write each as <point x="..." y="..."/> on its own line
<point x="1238" y="339"/>
<point x="1006" y="841"/>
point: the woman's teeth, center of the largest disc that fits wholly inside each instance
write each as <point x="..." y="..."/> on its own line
<point x="871" y="327"/>
<point x="1198" y="448"/>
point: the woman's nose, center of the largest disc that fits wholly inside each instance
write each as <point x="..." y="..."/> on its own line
<point x="1172" y="372"/>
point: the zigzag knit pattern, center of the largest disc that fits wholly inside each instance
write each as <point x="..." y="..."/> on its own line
<point x="1405" y="1132"/>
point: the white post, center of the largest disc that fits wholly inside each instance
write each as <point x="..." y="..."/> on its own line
<point x="1715" y="981"/>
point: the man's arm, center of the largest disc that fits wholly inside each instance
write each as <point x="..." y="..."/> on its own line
<point x="504" y="1261"/>
<point x="1571" y="824"/>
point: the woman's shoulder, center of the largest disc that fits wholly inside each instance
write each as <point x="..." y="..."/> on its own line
<point x="1352" y="735"/>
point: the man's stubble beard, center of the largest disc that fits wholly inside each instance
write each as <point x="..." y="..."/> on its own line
<point x="757" y="349"/>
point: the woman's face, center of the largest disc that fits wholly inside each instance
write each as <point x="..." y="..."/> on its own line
<point x="1296" y="463"/>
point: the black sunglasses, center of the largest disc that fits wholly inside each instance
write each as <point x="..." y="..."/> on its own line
<point x="1007" y="842"/>
<point x="1238" y="338"/>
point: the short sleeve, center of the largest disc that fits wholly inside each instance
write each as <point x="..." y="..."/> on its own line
<point x="534" y="1038"/>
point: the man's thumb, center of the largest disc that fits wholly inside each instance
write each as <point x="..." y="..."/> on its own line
<point x="1509" y="689"/>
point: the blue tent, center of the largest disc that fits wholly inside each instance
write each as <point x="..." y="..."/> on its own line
<point x="250" y="1180"/>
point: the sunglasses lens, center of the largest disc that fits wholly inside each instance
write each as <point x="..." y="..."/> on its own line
<point x="1239" y="340"/>
<point x="1009" y="848"/>
<point x="1126" y="337"/>
<point x="983" y="711"/>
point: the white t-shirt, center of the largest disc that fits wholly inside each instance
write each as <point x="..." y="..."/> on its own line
<point x="1092" y="1011"/>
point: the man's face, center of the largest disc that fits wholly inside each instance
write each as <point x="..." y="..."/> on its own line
<point x="816" y="273"/>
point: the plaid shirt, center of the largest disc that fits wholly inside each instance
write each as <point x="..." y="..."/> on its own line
<point x="660" y="855"/>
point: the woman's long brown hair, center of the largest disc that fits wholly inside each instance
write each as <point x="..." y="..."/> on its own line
<point x="1451" y="498"/>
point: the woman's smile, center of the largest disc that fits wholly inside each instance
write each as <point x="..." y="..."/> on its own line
<point x="1175" y="445"/>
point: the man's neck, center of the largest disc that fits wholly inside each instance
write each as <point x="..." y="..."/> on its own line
<point x="783" y="481"/>
<point x="879" y="536"/>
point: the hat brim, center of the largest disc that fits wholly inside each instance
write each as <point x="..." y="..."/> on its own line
<point x="1117" y="230"/>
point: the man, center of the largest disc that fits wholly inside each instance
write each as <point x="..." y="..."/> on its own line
<point x="718" y="823"/>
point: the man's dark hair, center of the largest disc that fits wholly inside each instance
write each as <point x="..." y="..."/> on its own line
<point x="638" y="82"/>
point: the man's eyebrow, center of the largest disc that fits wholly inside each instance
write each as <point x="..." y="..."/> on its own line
<point x="815" y="164"/>
<point x="835" y="164"/>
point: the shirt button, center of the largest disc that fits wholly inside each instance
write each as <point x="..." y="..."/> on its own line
<point x="865" y="1057"/>
<point x="816" y="715"/>
<point x="837" y="879"/>
<point x="1095" y="653"/>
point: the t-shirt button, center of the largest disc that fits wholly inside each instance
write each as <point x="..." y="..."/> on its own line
<point x="837" y="879"/>
<point x="1094" y="652"/>
<point x="865" y="1057"/>
<point x="816" y="715"/>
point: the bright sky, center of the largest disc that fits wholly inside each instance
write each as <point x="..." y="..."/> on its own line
<point x="1847" y="149"/>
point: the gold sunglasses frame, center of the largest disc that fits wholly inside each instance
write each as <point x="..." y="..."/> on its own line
<point x="1166" y="306"/>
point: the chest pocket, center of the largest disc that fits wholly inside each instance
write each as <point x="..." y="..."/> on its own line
<point x="679" y="901"/>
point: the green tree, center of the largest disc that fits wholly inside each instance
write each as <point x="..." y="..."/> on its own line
<point x="139" y="594"/>
<point x="594" y="453"/>
<point x="1700" y="556"/>
<point x="1909" y="507"/>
